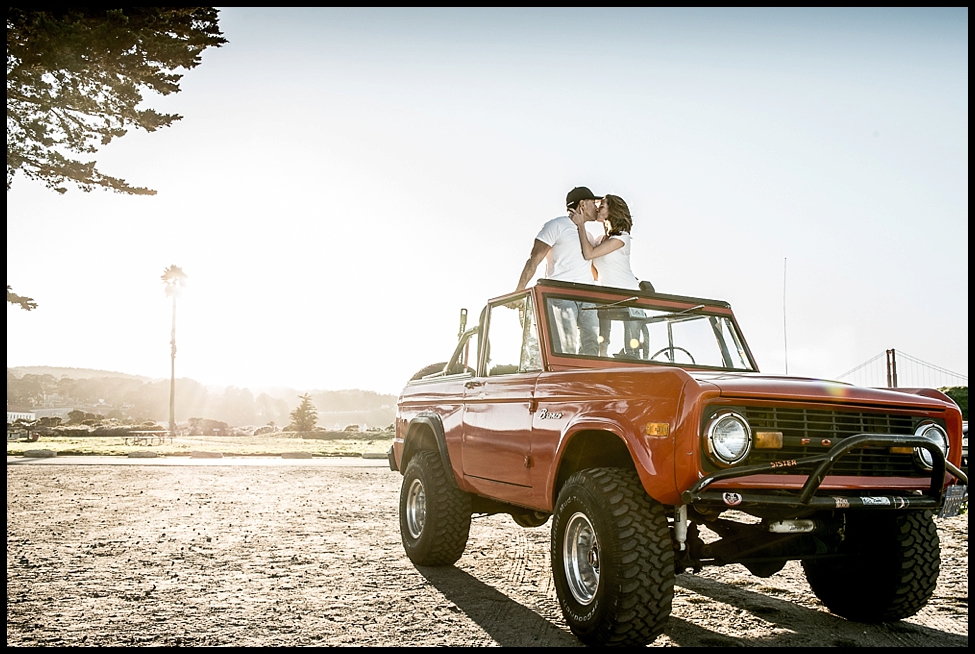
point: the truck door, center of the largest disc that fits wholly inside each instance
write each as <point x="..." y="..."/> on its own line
<point x="498" y="403"/>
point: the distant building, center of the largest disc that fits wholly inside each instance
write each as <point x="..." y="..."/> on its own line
<point x="14" y="416"/>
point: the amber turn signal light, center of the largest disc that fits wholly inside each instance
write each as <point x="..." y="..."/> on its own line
<point x="658" y="429"/>
<point x="768" y="440"/>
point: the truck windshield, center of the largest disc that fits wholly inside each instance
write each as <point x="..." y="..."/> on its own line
<point x="633" y="330"/>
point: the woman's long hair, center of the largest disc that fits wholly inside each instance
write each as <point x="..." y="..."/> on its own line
<point x="619" y="217"/>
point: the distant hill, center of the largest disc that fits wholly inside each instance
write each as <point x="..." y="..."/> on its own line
<point x="122" y="395"/>
<point x="73" y="373"/>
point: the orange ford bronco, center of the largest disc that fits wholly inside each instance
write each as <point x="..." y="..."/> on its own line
<point x="639" y="422"/>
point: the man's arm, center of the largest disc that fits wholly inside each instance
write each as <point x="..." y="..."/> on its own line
<point x="539" y="251"/>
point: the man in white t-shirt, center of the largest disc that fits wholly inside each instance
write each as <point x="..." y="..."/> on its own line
<point x="558" y="244"/>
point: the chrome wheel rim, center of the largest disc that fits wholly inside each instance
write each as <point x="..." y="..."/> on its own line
<point x="416" y="508"/>
<point x="580" y="558"/>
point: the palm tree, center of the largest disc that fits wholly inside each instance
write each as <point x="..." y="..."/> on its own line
<point x="175" y="279"/>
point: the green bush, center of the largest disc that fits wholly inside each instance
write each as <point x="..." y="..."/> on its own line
<point x="960" y="395"/>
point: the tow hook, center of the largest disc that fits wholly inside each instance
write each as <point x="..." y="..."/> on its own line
<point x="680" y="527"/>
<point x="792" y="526"/>
<point x="807" y="526"/>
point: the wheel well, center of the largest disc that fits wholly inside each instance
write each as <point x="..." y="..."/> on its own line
<point x="419" y="438"/>
<point x="592" y="449"/>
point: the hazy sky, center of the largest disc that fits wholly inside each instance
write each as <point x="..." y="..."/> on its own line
<point x="345" y="180"/>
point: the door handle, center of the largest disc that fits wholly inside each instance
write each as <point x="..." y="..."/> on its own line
<point x="473" y="384"/>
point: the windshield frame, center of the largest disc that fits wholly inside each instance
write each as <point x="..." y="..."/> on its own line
<point x="674" y="309"/>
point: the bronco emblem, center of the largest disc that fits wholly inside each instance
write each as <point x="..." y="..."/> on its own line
<point x="542" y="414"/>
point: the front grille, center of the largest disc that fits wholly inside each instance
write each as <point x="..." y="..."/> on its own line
<point x="807" y="432"/>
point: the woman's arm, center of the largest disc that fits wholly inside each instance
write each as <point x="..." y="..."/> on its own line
<point x="590" y="251"/>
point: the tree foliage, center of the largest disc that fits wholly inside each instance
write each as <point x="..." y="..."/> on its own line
<point x="960" y="395"/>
<point x="305" y="416"/>
<point x="26" y="303"/>
<point x="174" y="280"/>
<point x="207" y="427"/>
<point x="75" y="79"/>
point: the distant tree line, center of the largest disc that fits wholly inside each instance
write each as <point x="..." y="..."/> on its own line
<point x="134" y="400"/>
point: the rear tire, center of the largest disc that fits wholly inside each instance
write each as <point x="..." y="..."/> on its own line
<point x="434" y="515"/>
<point x="612" y="558"/>
<point x="890" y="571"/>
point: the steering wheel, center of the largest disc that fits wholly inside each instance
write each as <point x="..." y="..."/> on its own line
<point x="671" y="349"/>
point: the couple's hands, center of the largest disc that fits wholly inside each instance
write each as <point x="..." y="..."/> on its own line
<point x="585" y="212"/>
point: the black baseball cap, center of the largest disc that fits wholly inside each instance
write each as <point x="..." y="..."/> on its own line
<point x="578" y="194"/>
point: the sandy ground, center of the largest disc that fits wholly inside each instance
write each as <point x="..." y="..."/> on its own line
<point x="300" y="554"/>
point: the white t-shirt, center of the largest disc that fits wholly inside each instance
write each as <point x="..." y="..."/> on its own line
<point x="614" y="268"/>
<point x="564" y="261"/>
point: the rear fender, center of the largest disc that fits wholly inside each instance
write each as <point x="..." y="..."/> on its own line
<point x="425" y="432"/>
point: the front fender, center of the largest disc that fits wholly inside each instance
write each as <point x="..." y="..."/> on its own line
<point x="641" y="456"/>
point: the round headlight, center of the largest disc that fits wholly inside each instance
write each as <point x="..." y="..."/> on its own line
<point x="729" y="438"/>
<point x="932" y="432"/>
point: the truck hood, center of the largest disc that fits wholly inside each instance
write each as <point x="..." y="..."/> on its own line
<point x="759" y="385"/>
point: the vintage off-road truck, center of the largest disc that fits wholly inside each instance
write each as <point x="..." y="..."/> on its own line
<point x="639" y="423"/>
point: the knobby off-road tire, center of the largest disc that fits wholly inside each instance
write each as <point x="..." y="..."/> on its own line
<point x="890" y="572"/>
<point x="612" y="558"/>
<point x="434" y="515"/>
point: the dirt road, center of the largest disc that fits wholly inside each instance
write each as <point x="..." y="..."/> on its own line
<point x="311" y="555"/>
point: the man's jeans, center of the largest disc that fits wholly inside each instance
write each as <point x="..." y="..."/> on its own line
<point x="576" y="327"/>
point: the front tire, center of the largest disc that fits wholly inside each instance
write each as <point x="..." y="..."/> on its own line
<point x="612" y="558"/>
<point x="890" y="571"/>
<point x="434" y="515"/>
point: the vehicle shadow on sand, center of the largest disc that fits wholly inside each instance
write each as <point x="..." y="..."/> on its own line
<point x="512" y="624"/>
<point x="797" y="625"/>
<point x="509" y="623"/>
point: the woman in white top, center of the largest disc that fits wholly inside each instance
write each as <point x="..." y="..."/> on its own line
<point x="610" y="258"/>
